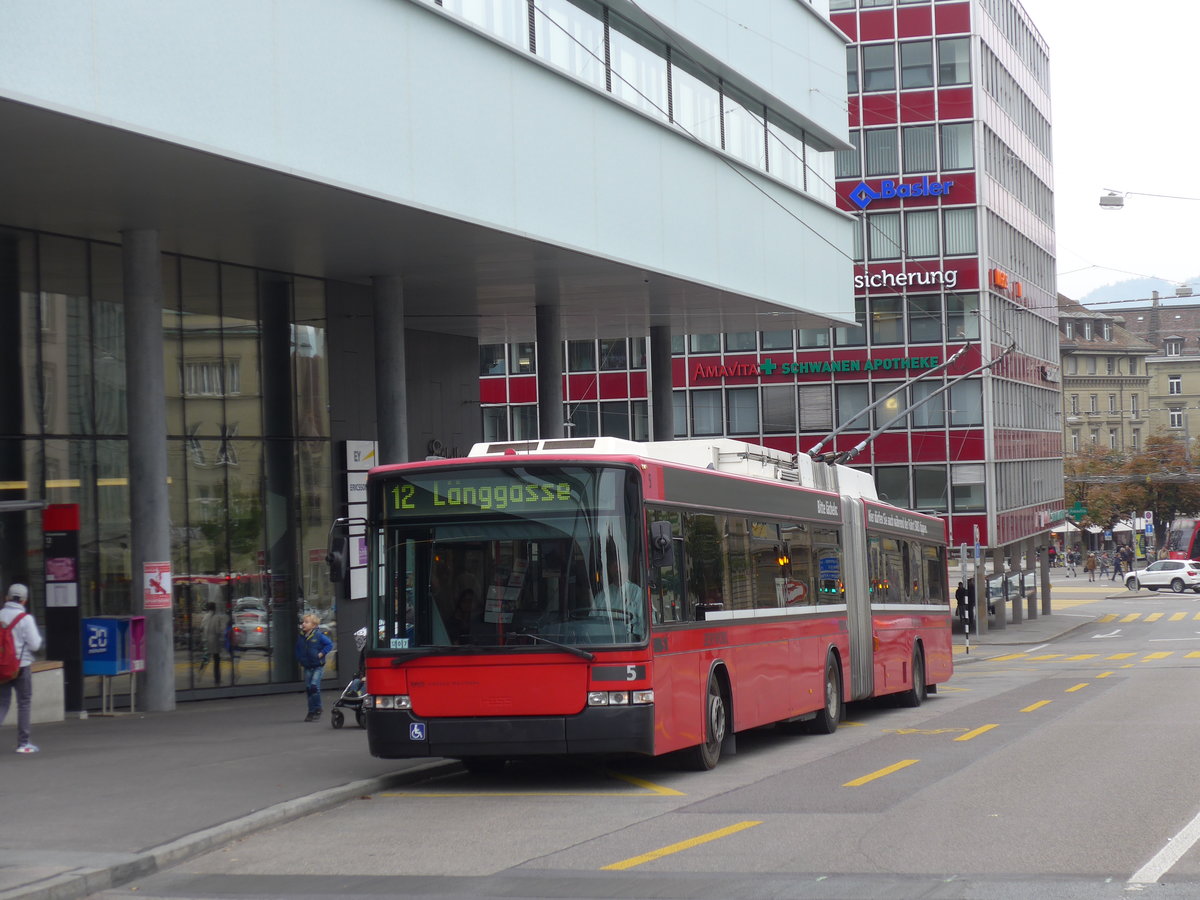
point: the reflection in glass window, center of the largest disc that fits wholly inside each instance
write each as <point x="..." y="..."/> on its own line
<point x="954" y="61"/>
<point x="613" y="355"/>
<point x="848" y="163"/>
<point x="505" y="19"/>
<point x="495" y="423"/>
<point x="779" y="340"/>
<point x="614" y="419"/>
<point x="706" y="412"/>
<point x="916" y="65"/>
<point x="962" y="317"/>
<point x="929" y="406"/>
<point x="778" y="409"/>
<point x="925" y="318"/>
<point x="930" y="489"/>
<point x="639" y="68"/>
<point x="966" y="403"/>
<point x="743" y="410"/>
<point x="639" y="417"/>
<point x="677" y="345"/>
<point x="524" y="422"/>
<point x="892" y="484"/>
<point x="583" y="419"/>
<point x="883" y="236"/>
<point x="705" y="343"/>
<point x="958" y="149"/>
<point x="967" y="489"/>
<point x="680" y="412"/>
<point x="581" y="356"/>
<point x="745" y="129"/>
<point x="637" y="353"/>
<point x="696" y="103"/>
<point x="570" y="35"/>
<point x="879" y="67"/>
<point x="851" y="67"/>
<point x="786" y="153"/>
<point x="882" y="152"/>
<point x="812" y="337"/>
<point x="491" y="359"/>
<point x="852" y="399"/>
<point x="920" y="148"/>
<point x="889" y="411"/>
<point x="855" y="335"/>
<point x="523" y="358"/>
<point x="887" y="321"/>
<point x="740" y="340"/>
<point x="960" y="230"/>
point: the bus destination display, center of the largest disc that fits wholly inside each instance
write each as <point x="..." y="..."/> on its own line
<point x="472" y="493"/>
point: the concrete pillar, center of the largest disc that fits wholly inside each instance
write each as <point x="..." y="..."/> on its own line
<point x="1001" y="604"/>
<point x="278" y="390"/>
<point x="14" y="559"/>
<point x="145" y="402"/>
<point x="1044" y="567"/>
<point x="1033" y="582"/>
<point x="662" y="403"/>
<point x="391" y="389"/>
<point x="549" y="371"/>
<point x="1018" y="568"/>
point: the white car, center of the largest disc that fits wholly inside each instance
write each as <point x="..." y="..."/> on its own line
<point x="1177" y="574"/>
<point x="251" y="628"/>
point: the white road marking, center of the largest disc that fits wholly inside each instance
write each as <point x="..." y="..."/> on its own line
<point x="1113" y="634"/>
<point x="1162" y="861"/>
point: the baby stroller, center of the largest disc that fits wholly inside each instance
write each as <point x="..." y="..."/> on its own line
<point x="355" y="691"/>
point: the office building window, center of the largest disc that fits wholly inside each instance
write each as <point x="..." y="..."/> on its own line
<point x="921" y="232"/>
<point x="930" y="488"/>
<point x="967" y="490"/>
<point x="639" y="68"/>
<point x="705" y="343"/>
<point x="848" y="163"/>
<point x="852" y="399"/>
<point x="614" y="419"/>
<point x="614" y="355"/>
<point x="1174" y="384"/>
<point x="855" y="335"/>
<point x="883" y="235"/>
<point x="1135" y="439"/>
<point x="887" y="321"/>
<point x="966" y="403"/>
<point x="1074" y="404"/>
<point x="812" y="337"/>
<point x="495" y="423"/>
<point x="1094" y="402"/>
<point x="742" y="409"/>
<point x="1112" y="439"/>
<point x="491" y="359"/>
<point x="1112" y="403"/>
<point x="740" y="340"/>
<point x="523" y="358"/>
<point x="925" y="318"/>
<point x="1074" y="441"/>
<point x="920" y="148"/>
<point x="962" y="317"/>
<point x="879" y="67"/>
<point x="851" y="70"/>
<point x="929" y="405"/>
<point x="782" y="340"/>
<point x="1133" y="405"/>
<point x="960" y="231"/>
<point x="639" y="415"/>
<point x="778" y="409"/>
<point x="892" y="484"/>
<point x="916" y="65"/>
<point x="706" y="413"/>
<point x="583" y="419"/>
<point x="958" y="147"/>
<point x="1110" y="365"/>
<point x="954" y="61"/>
<point x="883" y="154"/>
<point x="581" y="356"/>
<point x="1176" y="417"/>
<point x="815" y="405"/>
<point x="680" y="412"/>
<point x="524" y="422"/>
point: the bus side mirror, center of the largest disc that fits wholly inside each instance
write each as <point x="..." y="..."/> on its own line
<point x="662" y="545"/>
<point x="336" y="557"/>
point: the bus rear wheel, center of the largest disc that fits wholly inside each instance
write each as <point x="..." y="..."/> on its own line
<point x="915" y="695"/>
<point x="827" y="719"/>
<point x="716" y="724"/>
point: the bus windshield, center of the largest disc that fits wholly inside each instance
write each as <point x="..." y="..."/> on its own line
<point x="509" y="556"/>
<point x="1179" y="537"/>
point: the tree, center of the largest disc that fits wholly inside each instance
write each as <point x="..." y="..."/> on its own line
<point x="1163" y="454"/>
<point x="1101" y="500"/>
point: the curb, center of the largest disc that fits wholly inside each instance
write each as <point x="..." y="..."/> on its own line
<point x="82" y="883"/>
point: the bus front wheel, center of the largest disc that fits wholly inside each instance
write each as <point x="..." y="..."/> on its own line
<point x="915" y="695"/>
<point x="716" y="724"/>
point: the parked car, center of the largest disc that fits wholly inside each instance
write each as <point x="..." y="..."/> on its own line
<point x="1177" y="574"/>
<point x="251" y="625"/>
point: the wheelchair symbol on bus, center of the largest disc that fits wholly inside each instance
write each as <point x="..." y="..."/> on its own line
<point x="416" y="731"/>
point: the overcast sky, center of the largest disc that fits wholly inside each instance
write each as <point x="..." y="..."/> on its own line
<point x="1124" y="89"/>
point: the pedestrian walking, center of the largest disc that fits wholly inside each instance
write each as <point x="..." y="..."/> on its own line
<point x="1090" y="566"/>
<point x="312" y="647"/>
<point x="1072" y="562"/>
<point x="1053" y="554"/>
<point x="1116" y="564"/>
<point x="27" y="641"/>
<point x="1105" y="563"/>
<point x="214" y="627"/>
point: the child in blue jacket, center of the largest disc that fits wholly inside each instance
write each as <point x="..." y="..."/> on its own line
<point x="311" y="648"/>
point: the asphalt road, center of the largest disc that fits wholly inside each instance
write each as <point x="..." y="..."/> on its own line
<point x="1067" y="770"/>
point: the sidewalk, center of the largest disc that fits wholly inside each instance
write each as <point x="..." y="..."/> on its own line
<point x="112" y="798"/>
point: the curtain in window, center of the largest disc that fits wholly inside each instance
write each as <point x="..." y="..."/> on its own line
<point x="960" y="230"/>
<point x="883" y="236"/>
<point x="920" y="149"/>
<point x="922" y="232"/>
<point x="882" y="152"/>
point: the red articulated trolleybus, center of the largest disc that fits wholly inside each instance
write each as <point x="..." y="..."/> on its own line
<point x="1182" y="540"/>
<point x="599" y="596"/>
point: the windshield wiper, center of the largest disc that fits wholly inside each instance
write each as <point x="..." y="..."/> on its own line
<point x="577" y="651"/>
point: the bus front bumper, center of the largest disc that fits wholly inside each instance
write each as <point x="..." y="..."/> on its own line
<point x="398" y="734"/>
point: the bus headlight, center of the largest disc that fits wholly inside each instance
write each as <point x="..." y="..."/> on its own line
<point x="620" y="698"/>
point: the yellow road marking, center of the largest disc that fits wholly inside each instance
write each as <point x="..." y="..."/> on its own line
<point x="1106" y="618"/>
<point x="1196" y="617"/>
<point x="851" y="724"/>
<point x="1010" y="656"/>
<point x="1127" y="666"/>
<point x="682" y="845"/>
<point x="1154" y="617"/>
<point x="1077" y="687"/>
<point x="1161" y="654"/>
<point x="1132" y="617"/>
<point x="976" y="733"/>
<point x="1195" y="654"/>
<point x="1082" y="656"/>
<point x="1121" y="656"/>
<point x="648" y="785"/>
<point x="1047" y="656"/>
<point x="1178" y="617"/>
<point x="1104" y="674"/>
<point x="903" y="764"/>
<point x="922" y="730"/>
<point x="1037" y="705"/>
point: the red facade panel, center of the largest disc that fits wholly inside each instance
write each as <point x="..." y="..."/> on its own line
<point x="962" y="531"/>
<point x="876" y="25"/>
<point x="523" y="389"/>
<point x="918" y="106"/>
<point x="637" y="385"/>
<point x="928" y="446"/>
<point x="967" y="446"/>
<point x="952" y="18"/>
<point x="581" y="387"/>
<point x="855" y="111"/>
<point x="955" y="103"/>
<point x="890" y="447"/>
<point x="847" y="22"/>
<point x="786" y="443"/>
<point x="614" y="386"/>
<point x="492" y="390"/>
<point x="879" y="109"/>
<point x="914" y="21"/>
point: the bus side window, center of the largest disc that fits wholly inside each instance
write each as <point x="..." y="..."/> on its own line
<point x="666" y="566"/>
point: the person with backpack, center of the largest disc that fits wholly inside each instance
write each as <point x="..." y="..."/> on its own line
<point x="19" y="640"/>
